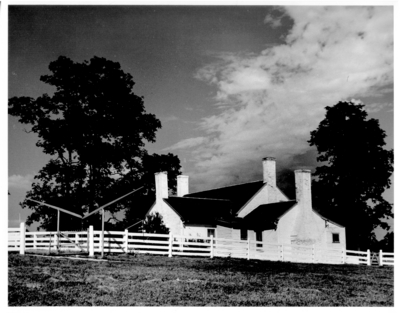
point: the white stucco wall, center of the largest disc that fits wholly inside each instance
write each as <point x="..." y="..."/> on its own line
<point x="197" y="231"/>
<point x="329" y="230"/>
<point x="270" y="236"/>
<point x="236" y="234"/>
<point x="275" y="195"/>
<point x="223" y="232"/>
<point x="319" y="232"/>
<point x="251" y="234"/>
<point x="267" y="194"/>
<point x="170" y="217"/>
<point x="286" y="226"/>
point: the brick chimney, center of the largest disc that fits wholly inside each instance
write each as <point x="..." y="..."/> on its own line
<point x="161" y="185"/>
<point x="269" y="171"/>
<point x="182" y="187"/>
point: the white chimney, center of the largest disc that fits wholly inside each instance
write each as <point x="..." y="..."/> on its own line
<point x="306" y="230"/>
<point x="303" y="188"/>
<point x="182" y="187"/>
<point x="269" y="171"/>
<point x="161" y="185"/>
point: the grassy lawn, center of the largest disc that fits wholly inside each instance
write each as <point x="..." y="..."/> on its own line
<point x="182" y="281"/>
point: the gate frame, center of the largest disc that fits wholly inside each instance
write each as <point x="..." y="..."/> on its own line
<point x="83" y="217"/>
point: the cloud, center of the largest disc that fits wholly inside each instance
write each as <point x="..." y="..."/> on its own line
<point x="377" y="107"/>
<point x="187" y="143"/>
<point x="274" y="19"/>
<point x="20" y="182"/>
<point x="271" y="101"/>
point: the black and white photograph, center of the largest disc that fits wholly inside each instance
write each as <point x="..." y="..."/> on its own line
<point x="191" y="154"/>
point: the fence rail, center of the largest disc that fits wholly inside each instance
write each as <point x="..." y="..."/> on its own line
<point x="124" y="242"/>
<point x="386" y="258"/>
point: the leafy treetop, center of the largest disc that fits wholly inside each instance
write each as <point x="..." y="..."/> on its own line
<point x="95" y="128"/>
<point x="356" y="171"/>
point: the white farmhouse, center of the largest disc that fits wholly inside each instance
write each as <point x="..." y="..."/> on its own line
<point x="256" y="210"/>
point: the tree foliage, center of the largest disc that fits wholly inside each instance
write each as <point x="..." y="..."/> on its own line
<point x="95" y="128"/>
<point x="387" y="243"/>
<point x="154" y="224"/>
<point x="356" y="171"/>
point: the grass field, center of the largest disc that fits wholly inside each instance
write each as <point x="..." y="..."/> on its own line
<point x="181" y="281"/>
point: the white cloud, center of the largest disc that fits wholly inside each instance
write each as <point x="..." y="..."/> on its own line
<point x="187" y="143"/>
<point x="20" y="182"/>
<point x="274" y="99"/>
<point x="377" y="107"/>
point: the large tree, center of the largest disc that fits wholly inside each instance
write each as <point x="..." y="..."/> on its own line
<point x="95" y="128"/>
<point x="356" y="170"/>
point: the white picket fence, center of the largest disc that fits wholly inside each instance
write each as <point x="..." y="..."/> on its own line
<point x="14" y="237"/>
<point x="386" y="258"/>
<point x="90" y="242"/>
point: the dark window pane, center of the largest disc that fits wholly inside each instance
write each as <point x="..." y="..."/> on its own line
<point x="259" y="238"/>
<point x="243" y="234"/>
<point x="335" y="238"/>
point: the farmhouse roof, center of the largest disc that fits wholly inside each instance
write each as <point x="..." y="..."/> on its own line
<point x="200" y="211"/>
<point x="238" y="195"/>
<point x="266" y="216"/>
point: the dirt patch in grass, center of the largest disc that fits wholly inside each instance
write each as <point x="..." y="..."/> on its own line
<point x="162" y="281"/>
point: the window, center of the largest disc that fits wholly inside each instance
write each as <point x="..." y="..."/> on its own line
<point x="335" y="238"/>
<point x="210" y="232"/>
<point x="259" y="238"/>
<point x="243" y="234"/>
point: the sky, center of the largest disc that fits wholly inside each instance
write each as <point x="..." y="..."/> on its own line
<point x="230" y="84"/>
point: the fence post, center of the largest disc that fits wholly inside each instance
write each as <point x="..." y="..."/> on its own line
<point x="212" y="247"/>
<point x="343" y="256"/>
<point x="380" y="258"/>
<point x="90" y="241"/>
<point x="22" y="238"/>
<point x="50" y="242"/>
<point x="368" y="257"/>
<point x="57" y="241"/>
<point x="34" y="241"/>
<point x="126" y="240"/>
<point x="171" y="238"/>
<point x="248" y="248"/>
<point x="281" y="252"/>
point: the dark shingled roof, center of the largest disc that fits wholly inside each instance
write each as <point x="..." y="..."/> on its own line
<point x="265" y="216"/>
<point x="237" y="194"/>
<point x="198" y="211"/>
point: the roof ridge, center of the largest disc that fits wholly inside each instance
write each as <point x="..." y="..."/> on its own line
<point x="326" y="218"/>
<point x="278" y="202"/>
<point x="198" y="198"/>
<point x="255" y="181"/>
